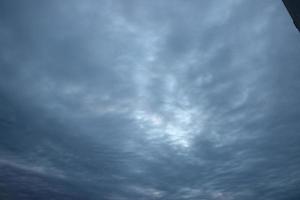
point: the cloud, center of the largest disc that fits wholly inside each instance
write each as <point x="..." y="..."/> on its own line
<point x="139" y="99"/>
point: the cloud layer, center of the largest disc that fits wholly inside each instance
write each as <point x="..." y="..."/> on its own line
<point x="149" y="100"/>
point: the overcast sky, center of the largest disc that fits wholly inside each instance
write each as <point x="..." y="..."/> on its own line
<point x="149" y="100"/>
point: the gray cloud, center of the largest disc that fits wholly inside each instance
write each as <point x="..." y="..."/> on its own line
<point x="148" y="100"/>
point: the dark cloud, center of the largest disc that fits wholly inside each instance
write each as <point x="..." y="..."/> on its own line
<point x="149" y="100"/>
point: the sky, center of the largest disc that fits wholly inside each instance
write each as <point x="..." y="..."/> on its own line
<point x="149" y="100"/>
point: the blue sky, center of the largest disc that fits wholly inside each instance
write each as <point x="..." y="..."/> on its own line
<point x="149" y="100"/>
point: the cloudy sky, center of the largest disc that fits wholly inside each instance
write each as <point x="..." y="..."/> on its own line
<point x="149" y="100"/>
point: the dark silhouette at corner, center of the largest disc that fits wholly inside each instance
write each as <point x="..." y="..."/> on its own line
<point x="293" y="6"/>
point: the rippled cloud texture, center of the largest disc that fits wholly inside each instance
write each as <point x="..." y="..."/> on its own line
<point x="138" y="99"/>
